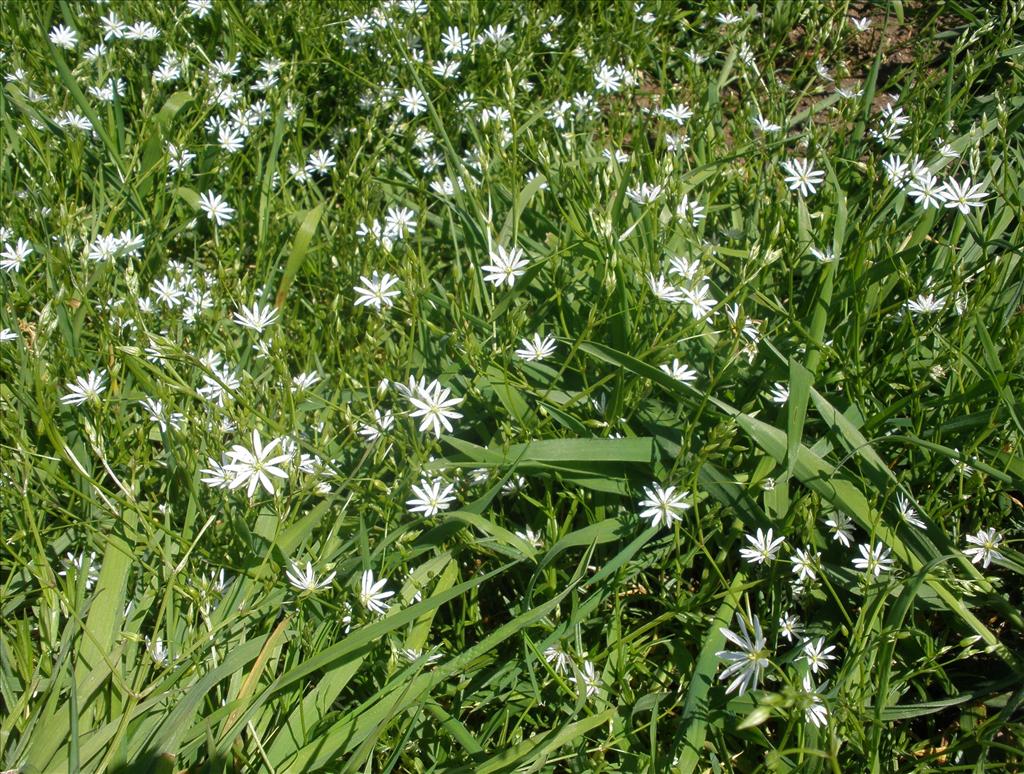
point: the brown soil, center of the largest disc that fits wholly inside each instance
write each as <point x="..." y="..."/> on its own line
<point x="902" y="44"/>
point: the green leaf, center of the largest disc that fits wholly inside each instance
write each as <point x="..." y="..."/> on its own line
<point x="369" y="721"/>
<point x="298" y="253"/>
<point x="693" y="723"/>
<point x="800" y="380"/>
<point x="536" y="750"/>
<point x="352" y="646"/>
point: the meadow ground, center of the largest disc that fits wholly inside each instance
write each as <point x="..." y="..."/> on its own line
<point x="476" y="387"/>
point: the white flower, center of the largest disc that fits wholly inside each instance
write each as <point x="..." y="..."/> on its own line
<point x="984" y="547"/>
<point x="690" y="210"/>
<point x="764" y="548"/>
<point x="299" y="174"/>
<point x="823" y="256"/>
<point x="619" y="156"/>
<point x="529" y="536"/>
<point x="13" y="256"/>
<point x="764" y="125"/>
<point x="63" y="36"/>
<point x="305" y="580"/>
<point x="360" y="26"/>
<point x="142" y="30"/>
<point x="962" y="196"/>
<point x="320" y="162"/>
<point x="647" y="17"/>
<point x="607" y="79"/>
<point x="496" y="33"/>
<point x="434" y="404"/>
<point x="431" y="498"/>
<point x="216" y="475"/>
<point x="701" y="301"/>
<point x="779" y="393"/>
<point x="413" y="101"/>
<point x="589" y="678"/>
<point x="664" y="290"/>
<point x="514" y="485"/>
<point x="372" y="594"/>
<point x="861" y="25"/>
<point x="961" y="466"/>
<point x="677" y="113"/>
<point x="749" y="662"/>
<point x="663" y="505"/>
<point x="112" y="26"/>
<point x="401" y="221"/>
<point x="157" y="652"/>
<point x="557" y="112"/>
<point x="231" y="139"/>
<point x="455" y="41"/>
<point x="219" y="385"/>
<point x="84" y="388"/>
<point x="803" y="177"/>
<point x="789" y="626"/>
<point x="679" y="371"/>
<point x="377" y="291"/>
<point x="303" y="381"/>
<point x="199" y="8"/>
<point x="77" y="562"/>
<point x="840" y="524"/>
<point x="258" y="318"/>
<point x="645" y="193"/>
<point x="414" y="386"/>
<point x="505" y="266"/>
<point x="223" y="69"/>
<point x="895" y="115"/>
<point x="104" y="248"/>
<point x="687" y="269"/>
<point x="381" y="424"/>
<point x="216" y="207"/>
<point x="926" y="303"/>
<point x="558" y="659"/>
<point x="446" y="68"/>
<point x="537" y="349"/>
<point x="925" y="190"/>
<point x="814" y="710"/>
<point x="167" y="72"/>
<point x="130" y="243"/>
<point x="805" y="563"/>
<point x="874" y="559"/>
<point x="908" y="513"/>
<point x="896" y="170"/>
<point x="179" y="158"/>
<point x="161" y="417"/>
<point x="817" y="655"/>
<point x="167" y="292"/>
<point x="255" y="467"/>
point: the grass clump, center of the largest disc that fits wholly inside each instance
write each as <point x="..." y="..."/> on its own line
<point x="460" y="387"/>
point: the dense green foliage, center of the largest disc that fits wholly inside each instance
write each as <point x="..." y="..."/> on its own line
<point x="378" y="396"/>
